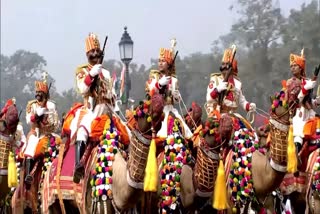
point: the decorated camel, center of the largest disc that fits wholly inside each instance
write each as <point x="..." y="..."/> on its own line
<point x="115" y="178"/>
<point x="245" y="161"/>
<point x="9" y="119"/>
<point x="300" y="187"/>
<point x="39" y="150"/>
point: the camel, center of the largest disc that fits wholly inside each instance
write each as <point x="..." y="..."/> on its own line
<point x="8" y="124"/>
<point x="269" y="170"/>
<point x="128" y="176"/>
<point x="303" y="196"/>
<point x="127" y="169"/>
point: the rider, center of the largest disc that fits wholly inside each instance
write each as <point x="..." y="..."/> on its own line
<point x="305" y="111"/>
<point x="99" y="97"/>
<point x="233" y="88"/>
<point x="233" y="95"/>
<point x="42" y="116"/>
<point x="165" y="82"/>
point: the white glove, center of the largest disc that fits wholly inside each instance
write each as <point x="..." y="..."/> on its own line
<point x="95" y="70"/>
<point x="310" y="84"/>
<point x="222" y="86"/>
<point x="41" y="111"/>
<point x="252" y="107"/>
<point x="317" y="100"/>
<point x="164" y="80"/>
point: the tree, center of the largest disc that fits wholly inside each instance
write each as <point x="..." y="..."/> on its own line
<point x="257" y="30"/>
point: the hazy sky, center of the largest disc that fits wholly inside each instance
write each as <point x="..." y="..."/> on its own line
<point x="56" y="29"/>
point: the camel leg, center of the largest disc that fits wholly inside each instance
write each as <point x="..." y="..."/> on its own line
<point x="124" y="195"/>
<point x="187" y="188"/>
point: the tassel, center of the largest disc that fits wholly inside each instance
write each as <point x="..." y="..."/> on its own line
<point x="220" y="190"/>
<point x="151" y="176"/>
<point x="318" y="126"/>
<point x="292" y="166"/>
<point x="12" y="171"/>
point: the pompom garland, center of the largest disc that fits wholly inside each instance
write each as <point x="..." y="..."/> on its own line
<point x="50" y="154"/>
<point x="279" y="99"/>
<point x="175" y="156"/>
<point x="101" y="175"/>
<point x="142" y="110"/>
<point x="240" y="179"/>
<point x="316" y="174"/>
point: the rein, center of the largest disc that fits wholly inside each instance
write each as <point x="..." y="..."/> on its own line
<point x="286" y="112"/>
<point x="212" y="149"/>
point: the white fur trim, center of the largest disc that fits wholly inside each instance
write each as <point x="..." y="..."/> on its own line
<point x="278" y="167"/>
<point x="3" y="171"/>
<point x="132" y="183"/>
<point x="278" y="125"/>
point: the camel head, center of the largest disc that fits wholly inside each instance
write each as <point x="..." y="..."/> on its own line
<point x="9" y="118"/>
<point x="149" y="114"/>
<point x="285" y="102"/>
<point x="193" y="116"/>
<point x="215" y="132"/>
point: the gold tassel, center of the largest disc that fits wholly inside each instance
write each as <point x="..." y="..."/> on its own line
<point x="220" y="190"/>
<point x="151" y="176"/>
<point x="12" y="171"/>
<point x="292" y="166"/>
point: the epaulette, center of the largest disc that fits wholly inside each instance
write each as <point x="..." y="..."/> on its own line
<point x="29" y="104"/>
<point x="80" y="67"/>
<point x="215" y="74"/>
<point x="154" y="71"/>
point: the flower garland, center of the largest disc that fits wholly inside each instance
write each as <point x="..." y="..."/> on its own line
<point x="175" y="156"/>
<point x="240" y="178"/>
<point x="279" y="99"/>
<point x="316" y="175"/>
<point x="101" y="175"/>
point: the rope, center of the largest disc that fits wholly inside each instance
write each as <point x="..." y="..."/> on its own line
<point x="251" y="116"/>
<point x="185" y="107"/>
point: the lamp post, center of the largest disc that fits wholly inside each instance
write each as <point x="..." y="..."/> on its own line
<point x="126" y="55"/>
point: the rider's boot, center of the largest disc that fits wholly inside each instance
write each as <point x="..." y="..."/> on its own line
<point x="29" y="178"/>
<point x="79" y="167"/>
<point x="86" y="154"/>
<point x="298" y="144"/>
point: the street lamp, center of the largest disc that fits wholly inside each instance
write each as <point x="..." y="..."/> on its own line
<point x="126" y="55"/>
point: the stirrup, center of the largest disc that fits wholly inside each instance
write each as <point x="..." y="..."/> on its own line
<point x="78" y="173"/>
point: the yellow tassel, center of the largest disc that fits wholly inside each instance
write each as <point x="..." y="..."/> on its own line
<point x="292" y="166"/>
<point x="220" y="190"/>
<point x="151" y="176"/>
<point x="12" y="171"/>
